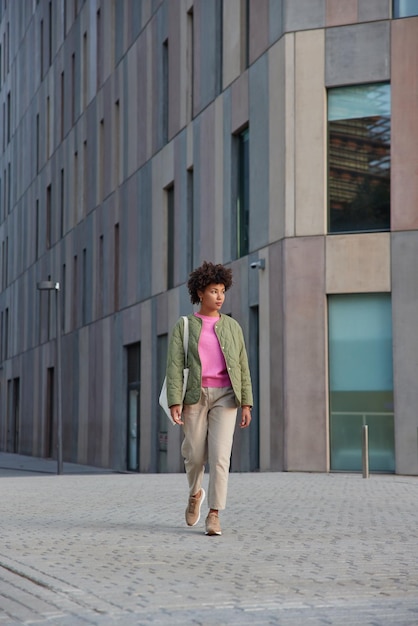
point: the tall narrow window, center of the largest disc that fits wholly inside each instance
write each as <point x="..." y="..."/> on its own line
<point x="76" y="199"/>
<point x="37" y="143"/>
<point x="6" y="334"/>
<point x="4" y="193"/>
<point x="74" y="303"/>
<point x="2" y="344"/>
<point x="63" y="295"/>
<point x="48" y="221"/>
<point x="37" y="230"/>
<point x="242" y="191"/>
<point x="190" y="220"/>
<point x="133" y="429"/>
<point x="85" y="70"/>
<point x="165" y="93"/>
<point x="48" y="127"/>
<point x="162" y="346"/>
<point x="100" y="274"/>
<point x="6" y="261"/>
<point x="73" y="94"/>
<point x="9" y="186"/>
<point x="359" y="158"/>
<point x="84" y="289"/>
<point x="171" y="244"/>
<point x="85" y="177"/>
<point x="50" y="30"/>
<point x="62" y="204"/>
<point x="41" y="48"/>
<point x="62" y="105"/>
<point x="98" y="48"/>
<point x="245" y="39"/>
<point x="116" y="144"/>
<point x="189" y="61"/>
<point x="9" y="117"/>
<point x="116" y="269"/>
<point x="100" y="163"/>
<point x="3" y="265"/>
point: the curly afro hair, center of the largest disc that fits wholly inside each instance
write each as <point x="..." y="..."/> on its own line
<point x="205" y="275"/>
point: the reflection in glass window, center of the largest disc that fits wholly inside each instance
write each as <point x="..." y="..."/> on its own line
<point x="359" y="158"/>
<point x="405" y="8"/>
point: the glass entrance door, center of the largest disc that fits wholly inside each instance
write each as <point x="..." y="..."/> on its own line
<point x="361" y="381"/>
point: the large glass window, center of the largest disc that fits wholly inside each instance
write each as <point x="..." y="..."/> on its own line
<point x="405" y="8"/>
<point x="243" y="193"/>
<point x="359" y="158"/>
<point x="361" y="380"/>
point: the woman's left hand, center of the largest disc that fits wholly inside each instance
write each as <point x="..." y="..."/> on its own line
<point x="245" y="417"/>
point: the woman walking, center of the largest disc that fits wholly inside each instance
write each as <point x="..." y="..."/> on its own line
<point x="219" y="382"/>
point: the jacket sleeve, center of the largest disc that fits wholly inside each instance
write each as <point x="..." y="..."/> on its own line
<point x="246" y="386"/>
<point x="175" y="365"/>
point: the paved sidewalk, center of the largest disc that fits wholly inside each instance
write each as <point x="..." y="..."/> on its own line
<point x="297" y="550"/>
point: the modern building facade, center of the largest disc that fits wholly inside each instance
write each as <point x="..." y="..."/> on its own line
<point x="141" y="137"/>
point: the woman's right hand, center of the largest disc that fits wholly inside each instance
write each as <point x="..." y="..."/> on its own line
<point x="175" y="411"/>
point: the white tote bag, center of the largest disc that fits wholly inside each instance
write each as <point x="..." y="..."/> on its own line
<point x="163" y="395"/>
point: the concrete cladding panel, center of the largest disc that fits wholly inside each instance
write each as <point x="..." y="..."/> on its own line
<point x="405" y="349"/>
<point x="259" y="152"/>
<point x="305" y="400"/>
<point x="358" y="263"/>
<point x="404" y="154"/>
<point x="310" y="133"/>
<point x="339" y="13"/>
<point x="303" y="14"/>
<point x="357" y="54"/>
<point x="369" y="10"/>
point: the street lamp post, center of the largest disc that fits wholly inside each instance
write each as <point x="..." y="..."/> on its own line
<point x="47" y="285"/>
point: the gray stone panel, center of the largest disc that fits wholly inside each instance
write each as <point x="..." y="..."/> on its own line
<point x="259" y="153"/>
<point x="357" y="54"/>
<point x="303" y="14"/>
<point x="405" y="349"/>
<point x="369" y="10"/>
<point x="227" y="191"/>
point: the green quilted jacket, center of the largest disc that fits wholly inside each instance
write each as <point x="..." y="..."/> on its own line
<point x="232" y="343"/>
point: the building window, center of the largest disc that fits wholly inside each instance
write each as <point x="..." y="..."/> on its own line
<point x="171" y="244"/>
<point x="242" y="192"/>
<point x="165" y="92"/>
<point x="48" y="221"/>
<point x="62" y="105"/>
<point x="189" y="62"/>
<point x="73" y="89"/>
<point x="62" y="204"/>
<point x="405" y="8"/>
<point x="359" y="158"/>
<point x="116" y="267"/>
<point x="361" y="380"/>
<point x="74" y="301"/>
<point x="190" y="220"/>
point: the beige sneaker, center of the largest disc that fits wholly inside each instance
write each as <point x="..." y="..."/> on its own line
<point x="213" y="526"/>
<point x="193" y="508"/>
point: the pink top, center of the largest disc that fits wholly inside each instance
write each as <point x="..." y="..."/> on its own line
<point x="214" y="373"/>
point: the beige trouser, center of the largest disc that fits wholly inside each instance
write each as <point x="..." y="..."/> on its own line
<point x="208" y="434"/>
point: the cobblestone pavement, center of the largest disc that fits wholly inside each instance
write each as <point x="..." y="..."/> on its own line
<point x="297" y="549"/>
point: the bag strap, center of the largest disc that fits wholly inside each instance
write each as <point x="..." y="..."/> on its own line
<point x="185" y="338"/>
